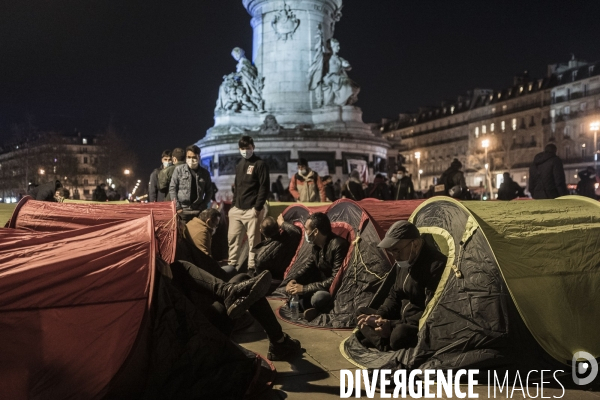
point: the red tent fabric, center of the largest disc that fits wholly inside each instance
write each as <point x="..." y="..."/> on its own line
<point x="72" y="306"/>
<point x="42" y="216"/>
<point x="385" y="213"/>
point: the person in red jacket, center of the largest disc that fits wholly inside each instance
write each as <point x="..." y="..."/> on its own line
<point x="306" y="185"/>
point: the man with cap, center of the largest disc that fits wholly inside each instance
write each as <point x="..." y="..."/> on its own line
<point x="395" y="324"/>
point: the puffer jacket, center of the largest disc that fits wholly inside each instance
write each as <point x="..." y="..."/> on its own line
<point x="323" y="266"/>
<point x="547" y="177"/>
<point x="180" y="188"/>
<point x="276" y="253"/>
<point x="414" y="287"/>
<point x="307" y="189"/>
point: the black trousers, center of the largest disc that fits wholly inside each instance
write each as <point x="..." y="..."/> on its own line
<point x="403" y="336"/>
<point x="214" y="290"/>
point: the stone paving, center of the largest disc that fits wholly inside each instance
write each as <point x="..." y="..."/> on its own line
<point x="315" y="374"/>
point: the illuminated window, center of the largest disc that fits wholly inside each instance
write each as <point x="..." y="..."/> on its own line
<point x="84" y="141"/>
<point x="452" y="110"/>
<point x="504" y="107"/>
<point x="484" y="129"/>
<point x="514" y="124"/>
<point x="492" y="127"/>
<point x="476" y="131"/>
<point x="503" y="126"/>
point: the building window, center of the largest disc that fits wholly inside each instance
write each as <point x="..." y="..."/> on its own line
<point x="582" y="129"/>
<point x="84" y="141"/>
<point x="583" y="106"/>
<point x="85" y="160"/>
<point x="476" y="132"/>
<point x="567" y="110"/>
<point x="567" y="152"/>
<point x="452" y="110"/>
<point x="574" y="75"/>
<point x="503" y="126"/>
<point x="85" y="182"/>
<point x="514" y="124"/>
<point x="492" y="127"/>
<point x="484" y="129"/>
<point x="567" y="131"/>
<point x="86" y="191"/>
<point x="504" y="107"/>
<point x="583" y="150"/>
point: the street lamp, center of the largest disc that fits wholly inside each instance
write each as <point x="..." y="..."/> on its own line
<point x="485" y="144"/>
<point x="418" y="157"/>
<point x="42" y="172"/>
<point x="126" y="172"/>
<point x="595" y="126"/>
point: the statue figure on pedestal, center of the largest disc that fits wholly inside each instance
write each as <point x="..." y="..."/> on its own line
<point x="328" y="77"/>
<point x="270" y="126"/>
<point x="241" y="90"/>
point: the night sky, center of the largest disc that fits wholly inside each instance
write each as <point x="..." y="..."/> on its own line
<point x="155" y="67"/>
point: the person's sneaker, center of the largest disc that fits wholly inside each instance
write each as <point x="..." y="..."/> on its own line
<point x="242" y="295"/>
<point x="311" y="313"/>
<point x="281" y="351"/>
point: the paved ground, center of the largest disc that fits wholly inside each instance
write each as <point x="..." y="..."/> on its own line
<point x="315" y="374"/>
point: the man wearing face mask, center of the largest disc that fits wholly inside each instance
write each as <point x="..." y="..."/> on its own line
<point x="165" y="174"/>
<point x="252" y="185"/>
<point x="306" y="185"/>
<point x="154" y="194"/>
<point x="403" y="188"/>
<point x="395" y="324"/>
<point x="191" y="186"/>
<point x="312" y="281"/>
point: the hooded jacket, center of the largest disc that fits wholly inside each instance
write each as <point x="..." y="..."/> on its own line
<point x="509" y="190"/>
<point x="320" y="271"/>
<point x="547" y="177"/>
<point x="414" y="287"/>
<point x="307" y="189"/>
<point x="275" y="254"/>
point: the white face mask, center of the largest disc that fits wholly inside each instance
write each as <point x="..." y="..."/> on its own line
<point x="394" y="179"/>
<point x="167" y="164"/>
<point x="246" y="153"/>
<point x="400" y="176"/>
<point x="302" y="171"/>
<point x="307" y="237"/>
<point x="192" y="163"/>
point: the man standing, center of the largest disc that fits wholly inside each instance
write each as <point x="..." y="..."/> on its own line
<point x="547" y="175"/>
<point x="313" y="280"/>
<point x="154" y="194"/>
<point x="404" y="188"/>
<point x="164" y="176"/>
<point x="454" y="182"/>
<point x="306" y="185"/>
<point x="395" y="324"/>
<point x="191" y="186"/>
<point x="251" y="193"/>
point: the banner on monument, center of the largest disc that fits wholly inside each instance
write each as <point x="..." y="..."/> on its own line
<point x="362" y="167"/>
<point x="320" y="167"/>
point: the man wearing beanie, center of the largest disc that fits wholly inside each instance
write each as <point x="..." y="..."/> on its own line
<point x="395" y="324"/>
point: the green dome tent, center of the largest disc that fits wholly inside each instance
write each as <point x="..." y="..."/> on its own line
<point x="522" y="285"/>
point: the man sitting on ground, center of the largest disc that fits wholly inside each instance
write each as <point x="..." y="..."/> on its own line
<point x="395" y="324"/>
<point x="276" y="252"/>
<point x="200" y="229"/>
<point x="222" y="302"/>
<point x="313" y="280"/>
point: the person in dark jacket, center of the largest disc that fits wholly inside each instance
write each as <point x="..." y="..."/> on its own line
<point x="276" y="252"/>
<point x="313" y="280"/>
<point x="191" y="186"/>
<point x="379" y="189"/>
<point x="547" y="175"/>
<point x="329" y="188"/>
<point x="277" y="188"/>
<point x="154" y="194"/>
<point x="395" y="324"/>
<point x="99" y="193"/>
<point x="587" y="183"/>
<point x="454" y="182"/>
<point x="46" y="191"/>
<point x="247" y="211"/>
<point x="165" y="174"/>
<point x="509" y="189"/>
<point x="403" y="188"/>
<point x="353" y="187"/>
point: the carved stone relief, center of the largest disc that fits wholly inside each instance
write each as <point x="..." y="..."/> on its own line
<point x="241" y="90"/>
<point x="285" y="23"/>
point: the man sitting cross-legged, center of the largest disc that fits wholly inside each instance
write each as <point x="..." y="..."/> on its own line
<point x="276" y="252"/>
<point x="395" y="324"/>
<point x="313" y="280"/>
<point x="223" y="301"/>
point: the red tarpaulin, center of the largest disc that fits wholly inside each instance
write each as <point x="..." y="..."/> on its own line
<point x="72" y="305"/>
<point x="42" y="216"/>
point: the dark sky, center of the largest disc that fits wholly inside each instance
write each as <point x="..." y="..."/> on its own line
<point x="155" y="66"/>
